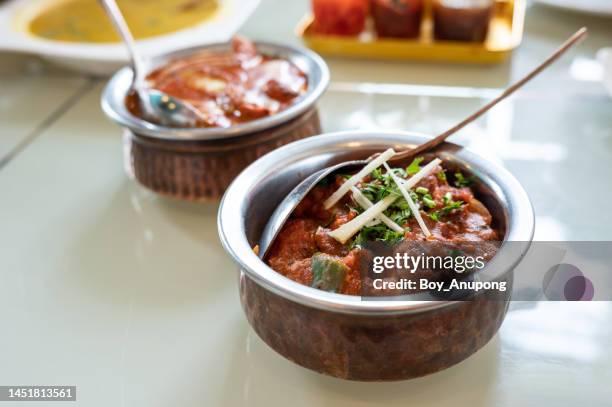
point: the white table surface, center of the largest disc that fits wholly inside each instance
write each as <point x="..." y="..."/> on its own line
<point x="130" y="297"/>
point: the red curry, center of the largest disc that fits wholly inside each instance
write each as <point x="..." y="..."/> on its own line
<point x="231" y="87"/>
<point x="451" y="213"/>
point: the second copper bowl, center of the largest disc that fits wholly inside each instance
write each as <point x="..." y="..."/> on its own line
<point x="198" y="164"/>
<point x="201" y="170"/>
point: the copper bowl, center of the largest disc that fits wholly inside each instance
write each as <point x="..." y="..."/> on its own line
<point x="346" y="336"/>
<point x="198" y="164"/>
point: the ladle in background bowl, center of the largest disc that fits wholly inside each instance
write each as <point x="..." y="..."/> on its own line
<point x="156" y="106"/>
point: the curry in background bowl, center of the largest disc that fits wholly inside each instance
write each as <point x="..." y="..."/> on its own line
<point x="229" y="88"/>
<point x="85" y="20"/>
<point x="252" y="98"/>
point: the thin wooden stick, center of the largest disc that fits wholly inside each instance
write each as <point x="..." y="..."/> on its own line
<point x="573" y="40"/>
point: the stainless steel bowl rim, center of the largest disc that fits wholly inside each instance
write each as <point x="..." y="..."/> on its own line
<point x="231" y="220"/>
<point x="114" y="93"/>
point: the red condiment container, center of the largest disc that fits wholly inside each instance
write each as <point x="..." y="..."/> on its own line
<point x="462" y="20"/>
<point x="397" y="18"/>
<point x="340" y="17"/>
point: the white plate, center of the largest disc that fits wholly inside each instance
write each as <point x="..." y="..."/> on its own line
<point x="103" y="59"/>
<point x="601" y="7"/>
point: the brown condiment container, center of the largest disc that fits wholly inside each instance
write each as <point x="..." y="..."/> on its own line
<point x="462" y="20"/>
<point x="397" y="18"/>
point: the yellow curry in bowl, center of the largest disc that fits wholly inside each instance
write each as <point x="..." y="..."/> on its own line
<point x="85" y="20"/>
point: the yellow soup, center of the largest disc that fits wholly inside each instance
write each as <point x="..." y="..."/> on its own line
<point x="85" y="20"/>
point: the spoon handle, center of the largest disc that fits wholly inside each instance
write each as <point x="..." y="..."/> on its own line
<point x="116" y="17"/>
<point x="573" y="40"/>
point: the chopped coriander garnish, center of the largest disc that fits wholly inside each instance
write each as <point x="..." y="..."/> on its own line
<point x="414" y="166"/>
<point x="449" y="206"/>
<point x="463" y="181"/>
<point x="429" y="202"/>
<point x="379" y="233"/>
<point x="381" y="184"/>
<point x="377" y="174"/>
<point x="376" y="191"/>
<point x="391" y="236"/>
<point x="455" y="253"/>
<point x="400" y="204"/>
<point x="448" y="198"/>
<point x="400" y="216"/>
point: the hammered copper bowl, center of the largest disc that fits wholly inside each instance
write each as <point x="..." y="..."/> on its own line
<point x="346" y="336"/>
<point x="198" y="164"/>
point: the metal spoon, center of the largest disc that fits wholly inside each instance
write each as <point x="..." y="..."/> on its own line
<point x="286" y="207"/>
<point x="156" y="106"/>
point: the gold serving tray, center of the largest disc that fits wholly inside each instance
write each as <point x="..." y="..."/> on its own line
<point x="505" y="34"/>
